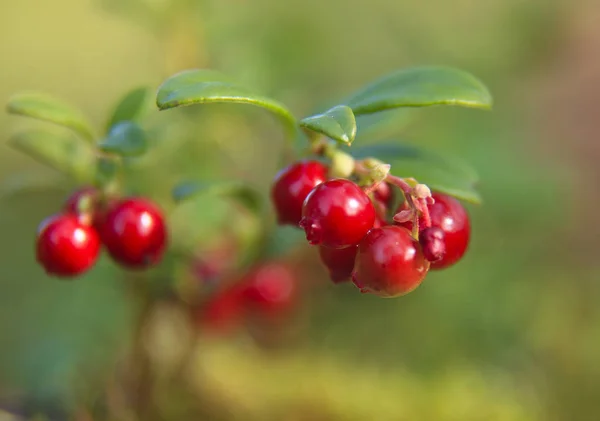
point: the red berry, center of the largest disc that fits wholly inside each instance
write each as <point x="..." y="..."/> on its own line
<point x="448" y="214"/>
<point x="433" y="243"/>
<point x="339" y="262"/>
<point x="337" y="214"/>
<point x="223" y="312"/>
<point x="389" y="262"/>
<point x="292" y="185"/>
<point x="83" y="200"/>
<point x="270" y="289"/>
<point x="134" y="233"/>
<point x="384" y="194"/>
<point x="65" y="246"/>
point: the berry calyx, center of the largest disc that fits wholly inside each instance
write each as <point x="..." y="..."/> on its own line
<point x="433" y="243"/>
<point x="292" y="185"/>
<point x="389" y="262"/>
<point x="337" y="214"/>
<point x="134" y="233"/>
<point x="66" y="247"/>
<point x="339" y="262"/>
<point x="448" y="214"/>
<point x="270" y="289"/>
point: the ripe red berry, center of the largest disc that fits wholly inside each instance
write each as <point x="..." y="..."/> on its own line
<point x="389" y="262"/>
<point x="384" y="194"/>
<point x="337" y="214"/>
<point x="223" y="312"/>
<point x="134" y="232"/>
<point x="433" y="243"/>
<point x="270" y="289"/>
<point x="339" y="262"/>
<point x="292" y="185"/>
<point x="65" y="246"/>
<point x="448" y="214"/>
<point x="85" y="197"/>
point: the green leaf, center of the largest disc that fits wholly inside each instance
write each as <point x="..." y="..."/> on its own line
<point x="338" y="123"/>
<point x="421" y="87"/>
<point x="47" y="108"/>
<point x="131" y="107"/>
<point x="26" y="183"/>
<point x="237" y="190"/>
<point x="203" y="86"/>
<point x="384" y="124"/>
<point x="125" y="139"/>
<point x="443" y="173"/>
<point x="64" y="153"/>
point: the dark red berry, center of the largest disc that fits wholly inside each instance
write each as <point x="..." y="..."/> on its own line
<point x="84" y="203"/>
<point x="134" y="233"/>
<point x="448" y="214"/>
<point x="270" y="289"/>
<point x="433" y="243"/>
<point x="337" y="214"/>
<point x="223" y="312"/>
<point x="339" y="262"/>
<point x="384" y="194"/>
<point x="292" y="185"/>
<point x="389" y="262"/>
<point x="65" y="246"/>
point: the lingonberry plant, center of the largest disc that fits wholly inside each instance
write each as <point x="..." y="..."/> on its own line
<point x="381" y="214"/>
<point x="342" y="200"/>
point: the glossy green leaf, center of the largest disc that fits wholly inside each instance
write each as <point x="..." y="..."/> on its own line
<point x="47" y="108"/>
<point x="338" y="123"/>
<point x="421" y="87"/>
<point x="383" y="124"/>
<point x="125" y="139"/>
<point x="441" y="173"/>
<point x="131" y="107"/>
<point x="203" y="86"/>
<point x="237" y="190"/>
<point x="64" y="153"/>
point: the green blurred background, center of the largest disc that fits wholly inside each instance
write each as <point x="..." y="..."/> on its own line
<point x="511" y="333"/>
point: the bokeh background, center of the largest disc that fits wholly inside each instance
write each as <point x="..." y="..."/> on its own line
<point x="511" y="333"/>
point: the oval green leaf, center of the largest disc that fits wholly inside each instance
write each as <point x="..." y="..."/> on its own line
<point x="125" y="139"/>
<point x="47" y="108"/>
<point x="382" y="125"/>
<point x="31" y="183"/>
<point x="202" y="86"/>
<point x="131" y="107"/>
<point x="245" y="194"/>
<point x="64" y="153"/>
<point x="421" y="87"/>
<point x="338" y="123"/>
<point x="446" y="174"/>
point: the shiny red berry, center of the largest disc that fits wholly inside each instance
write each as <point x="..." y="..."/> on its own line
<point x="384" y="194"/>
<point x="292" y="185"/>
<point x="270" y="289"/>
<point x="448" y="214"/>
<point x="65" y="246"/>
<point x="134" y="233"/>
<point x="433" y="243"/>
<point x="389" y="262"/>
<point x="337" y="214"/>
<point x="339" y="262"/>
<point x="85" y="204"/>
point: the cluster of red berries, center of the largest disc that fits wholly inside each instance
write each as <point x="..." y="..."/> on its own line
<point x="269" y="290"/>
<point x="131" y="229"/>
<point x="356" y="239"/>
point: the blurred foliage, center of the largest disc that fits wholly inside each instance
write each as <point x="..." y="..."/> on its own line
<point x="509" y="334"/>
